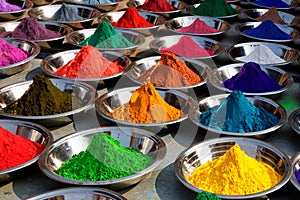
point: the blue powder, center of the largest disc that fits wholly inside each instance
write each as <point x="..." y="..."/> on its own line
<point x="268" y="30"/>
<point x="237" y="114"/>
<point x="97" y="2"/>
<point x="297" y="174"/>
<point x="252" y="79"/>
<point x="270" y="3"/>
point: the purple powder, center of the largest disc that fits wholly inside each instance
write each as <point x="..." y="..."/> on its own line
<point x="252" y="79"/>
<point x="7" y="7"/>
<point x="270" y="3"/>
<point x="9" y="54"/>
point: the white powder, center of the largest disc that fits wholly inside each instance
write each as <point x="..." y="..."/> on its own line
<point x="261" y="55"/>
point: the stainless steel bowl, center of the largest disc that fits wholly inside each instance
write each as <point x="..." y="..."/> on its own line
<point x="294" y="120"/>
<point x="295" y="170"/>
<point x="150" y="17"/>
<point x="45" y="13"/>
<point x="28" y="130"/>
<point x="248" y="25"/>
<point x="107" y="7"/>
<point x="26" y="5"/>
<point x="211" y="149"/>
<point x="212" y="101"/>
<point x="244" y="49"/>
<point x="289" y="19"/>
<point x="291" y="3"/>
<point x="63" y="149"/>
<point x="219" y="75"/>
<point x="137" y="68"/>
<point x="75" y="193"/>
<point x="138" y="39"/>
<point x="206" y="43"/>
<point x="84" y="92"/>
<point x="31" y="48"/>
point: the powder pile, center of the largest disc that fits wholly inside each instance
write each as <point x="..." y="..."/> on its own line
<point x="42" y="98"/>
<point x="94" y="2"/>
<point x="132" y="19"/>
<point x="146" y="106"/>
<point x="206" y="196"/>
<point x="261" y="55"/>
<point x="297" y="174"/>
<point x="270" y="3"/>
<point x="106" y="36"/>
<point x="7" y="7"/>
<point x="170" y="72"/>
<point x="198" y="27"/>
<point x="273" y="15"/>
<point x="214" y="8"/>
<point x="237" y="114"/>
<point x="30" y="29"/>
<point x="187" y="47"/>
<point x="66" y="13"/>
<point x="157" y="6"/>
<point x="251" y="78"/>
<point x="234" y="173"/>
<point x="16" y="150"/>
<point x="89" y="63"/>
<point x="9" y="54"/>
<point x="268" y="30"/>
<point x="104" y="159"/>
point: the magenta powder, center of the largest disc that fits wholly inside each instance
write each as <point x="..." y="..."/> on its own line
<point x="9" y="54"/>
<point x="7" y="7"/>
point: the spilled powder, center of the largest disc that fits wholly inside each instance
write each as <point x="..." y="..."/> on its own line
<point x="199" y="27"/>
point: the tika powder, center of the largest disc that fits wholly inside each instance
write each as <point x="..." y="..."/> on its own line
<point x="7" y="7"/>
<point x="10" y="54"/>
<point x="66" y="13"/>
<point x="198" y="27"/>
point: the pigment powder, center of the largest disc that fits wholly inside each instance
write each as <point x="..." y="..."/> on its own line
<point x="9" y="54"/>
<point x="268" y="30"/>
<point x="206" y="196"/>
<point x="187" y="47"/>
<point x="7" y="7"/>
<point x="157" y="6"/>
<point x="234" y="173"/>
<point x="16" y="150"/>
<point x="94" y="2"/>
<point x="132" y="19"/>
<point x="146" y="106"/>
<point x="297" y="174"/>
<point x="198" y="27"/>
<point x="270" y="3"/>
<point x="273" y="15"/>
<point x="261" y="55"/>
<point x="106" y="36"/>
<point x="89" y="63"/>
<point x="170" y="71"/>
<point x="30" y="29"/>
<point x="214" y="8"/>
<point x="42" y="98"/>
<point x="237" y="114"/>
<point x="104" y="159"/>
<point x="66" y="13"/>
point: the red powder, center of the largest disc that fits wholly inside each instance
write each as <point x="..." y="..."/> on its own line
<point x="16" y="150"/>
<point x="132" y="19"/>
<point x="89" y="63"/>
<point x="157" y="6"/>
<point x="187" y="47"/>
<point x="199" y="27"/>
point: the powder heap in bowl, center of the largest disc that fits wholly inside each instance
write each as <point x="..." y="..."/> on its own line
<point x="66" y="13"/>
<point x="273" y="15"/>
<point x="199" y="27"/>
<point x="270" y="3"/>
<point x="7" y="7"/>
<point x="9" y="54"/>
<point x="214" y="8"/>
<point x="157" y="6"/>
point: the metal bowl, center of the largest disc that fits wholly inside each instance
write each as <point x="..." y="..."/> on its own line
<point x="291" y="3"/>
<point x="244" y="49"/>
<point x="137" y="68"/>
<point x="138" y="39"/>
<point x="206" y="43"/>
<point x="84" y="92"/>
<point x="150" y="17"/>
<point x="43" y="2"/>
<point x="248" y="25"/>
<point x="211" y="149"/>
<point x="31" y="48"/>
<point x="294" y="120"/>
<point x="28" y="130"/>
<point x="26" y="5"/>
<point x="295" y="170"/>
<point x="289" y="19"/>
<point x="63" y="149"/>
<point x="107" y="7"/>
<point x="44" y="13"/>
<point x="212" y="101"/>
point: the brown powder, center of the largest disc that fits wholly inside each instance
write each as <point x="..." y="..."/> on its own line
<point x="273" y="15"/>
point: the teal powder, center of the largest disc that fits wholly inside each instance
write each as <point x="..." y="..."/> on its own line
<point x="66" y="13"/>
<point x="237" y="114"/>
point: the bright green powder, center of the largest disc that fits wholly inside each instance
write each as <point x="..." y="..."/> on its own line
<point x="106" y="36"/>
<point x="206" y="196"/>
<point x="104" y="159"/>
<point x="214" y="8"/>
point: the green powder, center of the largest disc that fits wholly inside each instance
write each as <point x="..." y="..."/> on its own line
<point x="106" y="36"/>
<point x="206" y="196"/>
<point x="104" y="159"/>
<point x="42" y="98"/>
<point x="214" y="8"/>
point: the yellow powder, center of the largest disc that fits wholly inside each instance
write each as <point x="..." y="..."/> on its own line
<point x="146" y="106"/>
<point x="234" y="173"/>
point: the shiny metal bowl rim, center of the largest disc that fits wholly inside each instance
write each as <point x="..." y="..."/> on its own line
<point x="87" y="4"/>
<point x="295" y="159"/>
<point x="261" y="6"/>
<point x="30" y="5"/>
<point x="158" y="141"/>
<point x="291" y="118"/>
<point x="237" y="140"/>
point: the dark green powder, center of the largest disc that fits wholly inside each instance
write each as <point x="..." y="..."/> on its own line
<point x="104" y="159"/>
<point x="42" y="98"/>
<point x="214" y="8"/>
<point x="106" y="36"/>
<point x="206" y="196"/>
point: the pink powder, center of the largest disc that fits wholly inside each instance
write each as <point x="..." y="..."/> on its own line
<point x="7" y="7"/>
<point x="199" y="27"/>
<point x="187" y="47"/>
<point x="9" y="54"/>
